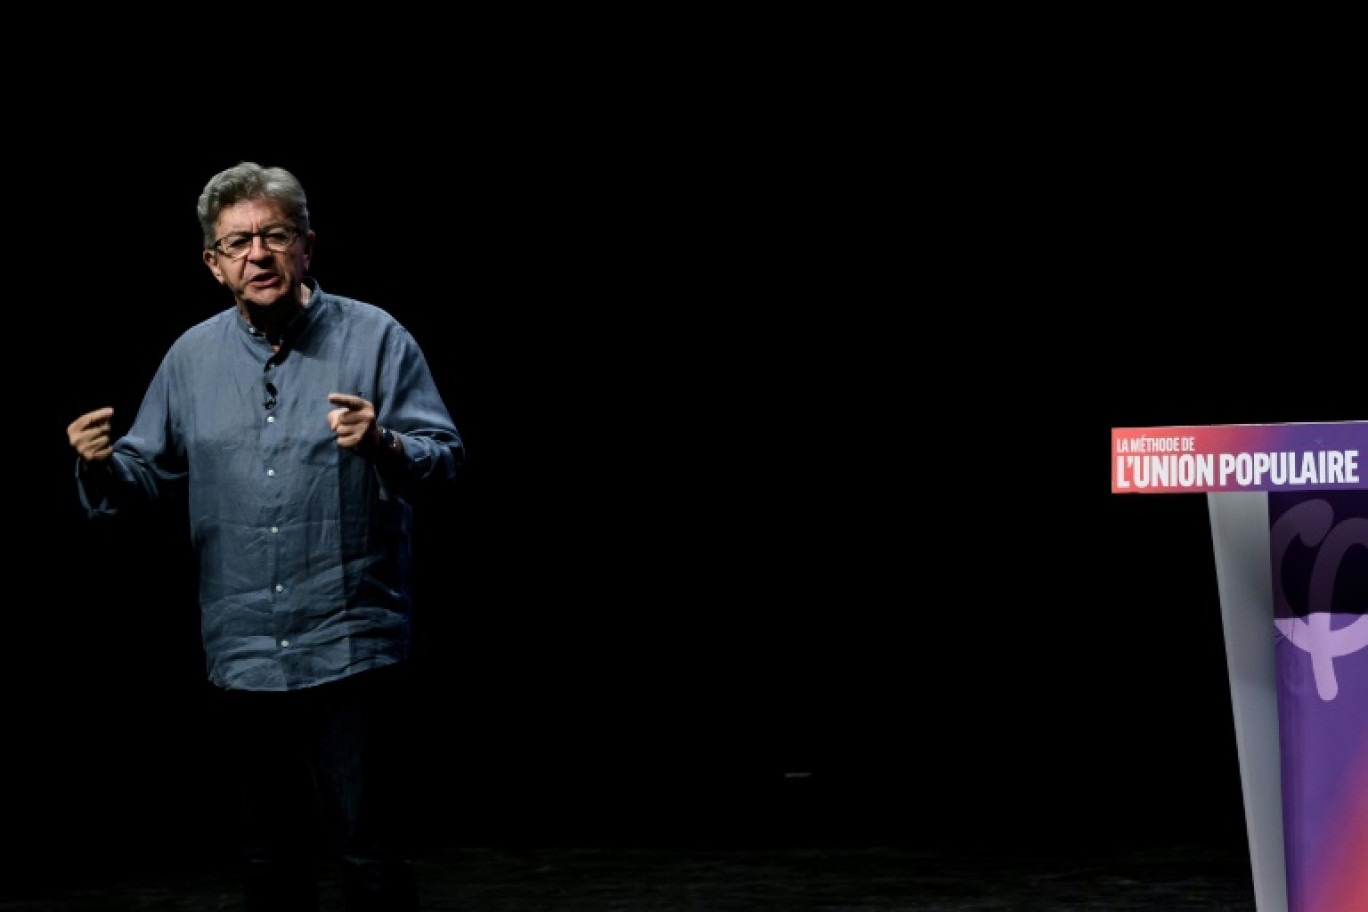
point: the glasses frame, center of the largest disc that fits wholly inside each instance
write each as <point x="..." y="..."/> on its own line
<point x="219" y="251"/>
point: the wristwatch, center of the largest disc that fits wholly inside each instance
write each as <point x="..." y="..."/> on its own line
<point x="388" y="440"/>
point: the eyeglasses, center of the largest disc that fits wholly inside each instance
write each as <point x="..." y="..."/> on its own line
<point x="237" y="245"/>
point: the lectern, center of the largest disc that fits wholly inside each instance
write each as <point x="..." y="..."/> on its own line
<point x="1288" y="506"/>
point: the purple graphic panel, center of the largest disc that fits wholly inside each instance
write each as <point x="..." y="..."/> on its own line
<point x="1319" y="560"/>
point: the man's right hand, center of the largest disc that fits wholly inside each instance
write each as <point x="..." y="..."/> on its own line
<point x="92" y="436"/>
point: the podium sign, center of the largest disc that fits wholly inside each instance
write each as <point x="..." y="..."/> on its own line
<point x="1289" y="527"/>
<point x="1239" y="457"/>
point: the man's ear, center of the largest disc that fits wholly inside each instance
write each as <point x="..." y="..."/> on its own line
<point x="211" y="260"/>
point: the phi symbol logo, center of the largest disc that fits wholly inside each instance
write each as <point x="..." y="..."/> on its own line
<point x="1313" y="522"/>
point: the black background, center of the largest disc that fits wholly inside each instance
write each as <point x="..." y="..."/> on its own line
<point x="788" y="399"/>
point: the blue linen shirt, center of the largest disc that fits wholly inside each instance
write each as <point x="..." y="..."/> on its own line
<point x="304" y="547"/>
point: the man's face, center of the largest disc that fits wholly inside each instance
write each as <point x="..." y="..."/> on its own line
<point x="274" y="256"/>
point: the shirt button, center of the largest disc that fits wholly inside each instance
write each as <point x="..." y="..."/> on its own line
<point x="275" y="529"/>
<point x="270" y="419"/>
<point x="270" y="472"/>
<point x="284" y="644"/>
<point x="279" y="588"/>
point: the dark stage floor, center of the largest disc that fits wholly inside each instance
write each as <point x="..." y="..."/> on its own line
<point x="1163" y="878"/>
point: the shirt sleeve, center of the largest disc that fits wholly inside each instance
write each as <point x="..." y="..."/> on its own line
<point x="146" y="461"/>
<point x="411" y="406"/>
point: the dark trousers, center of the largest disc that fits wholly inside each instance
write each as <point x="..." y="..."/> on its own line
<point x="323" y="770"/>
